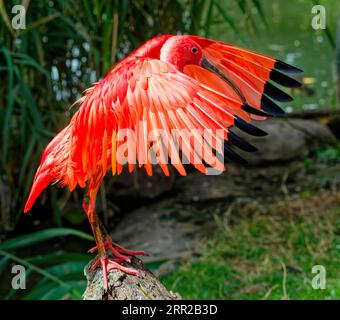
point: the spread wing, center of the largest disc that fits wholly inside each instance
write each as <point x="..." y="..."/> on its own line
<point x="163" y="111"/>
<point x="252" y="72"/>
<point x="145" y="111"/>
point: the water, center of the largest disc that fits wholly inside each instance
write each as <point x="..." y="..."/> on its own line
<point x="291" y="38"/>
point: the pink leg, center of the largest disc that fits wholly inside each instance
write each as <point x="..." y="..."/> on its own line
<point x="103" y="260"/>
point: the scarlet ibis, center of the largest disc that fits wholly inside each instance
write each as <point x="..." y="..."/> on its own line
<point x="172" y="82"/>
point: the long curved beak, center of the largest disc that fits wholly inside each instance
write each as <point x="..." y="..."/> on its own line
<point x="206" y="64"/>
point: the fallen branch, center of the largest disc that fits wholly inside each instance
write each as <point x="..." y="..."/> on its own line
<point x="124" y="286"/>
<point x="313" y="113"/>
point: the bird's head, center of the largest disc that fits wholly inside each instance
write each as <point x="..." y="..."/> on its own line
<point x="180" y="51"/>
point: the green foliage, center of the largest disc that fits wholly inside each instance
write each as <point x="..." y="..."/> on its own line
<point x="51" y="276"/>
<point x="39" y="236"/>
<point x="328" y="155"/>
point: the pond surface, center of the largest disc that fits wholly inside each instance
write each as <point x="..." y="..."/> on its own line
<point x="290" y="37"/>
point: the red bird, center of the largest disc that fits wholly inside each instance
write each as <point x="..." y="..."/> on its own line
<point x="172" y="82"/>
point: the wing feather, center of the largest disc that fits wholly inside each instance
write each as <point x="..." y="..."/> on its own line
<point x="162" y="100"/>
<point x="189" y="112"/>
<point x="253" y="73"/>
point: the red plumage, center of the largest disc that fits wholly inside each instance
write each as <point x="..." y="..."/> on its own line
<point x="169" y="83"/>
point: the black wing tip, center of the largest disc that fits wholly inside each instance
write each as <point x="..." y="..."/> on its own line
<point x="271" y="107"/>
<point x="246" y="107"/>
<point x="240" y="143"/>
<point x="287" y="68"/>
<point x="283" y="79"/>
<point x="249" y="128"/>
<point x="232" y="155"/>
<point x="275" y="93"/>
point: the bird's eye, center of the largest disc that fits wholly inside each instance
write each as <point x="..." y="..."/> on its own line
<point x="194" y="50"/>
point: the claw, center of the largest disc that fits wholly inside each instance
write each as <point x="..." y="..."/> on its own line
<point x="95" y="265"/>
<point x="120" y="255"/>
<point x="128" y="252"/>
<point x="109" y="264"/>
<point x="118" y="251"/>
<point x="115" y="252"/>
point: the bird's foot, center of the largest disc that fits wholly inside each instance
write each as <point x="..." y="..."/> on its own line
<point x="120" y="255"/>
<point x="109" y="264"/>
<point x="119" y="252"/>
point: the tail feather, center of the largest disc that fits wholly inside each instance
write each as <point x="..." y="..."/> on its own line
<point x="41" y="181"/>
<point x="52" y="165"/>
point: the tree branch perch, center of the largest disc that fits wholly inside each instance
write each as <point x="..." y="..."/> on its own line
<point x="124" y="286"/>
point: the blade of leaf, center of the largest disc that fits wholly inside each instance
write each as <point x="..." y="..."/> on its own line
<point x="40" y="236"/>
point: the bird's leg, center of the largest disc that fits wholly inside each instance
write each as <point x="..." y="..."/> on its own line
<point x="100" y="237"/>
<point x="117" y="250"/>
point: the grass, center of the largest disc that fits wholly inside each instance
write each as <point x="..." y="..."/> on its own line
<point x="268" y="255"/>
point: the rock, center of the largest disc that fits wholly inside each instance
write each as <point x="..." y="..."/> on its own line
<point x="197" y="187"/>
<point x="334" y="125"/>
<point x="141" y="185"/>
<point x="286" y="139"/>
<point x="238" y="182"/>
<point x="163" y="230"/>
